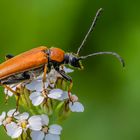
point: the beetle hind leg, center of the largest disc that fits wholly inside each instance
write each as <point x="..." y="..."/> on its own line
<point x="16" y="94"/>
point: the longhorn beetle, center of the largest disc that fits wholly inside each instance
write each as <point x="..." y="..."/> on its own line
<point x="40" y="60"/>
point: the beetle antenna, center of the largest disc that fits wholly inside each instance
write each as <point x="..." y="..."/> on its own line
<point x="101" y="53"/>
<point x="90" y="29"/>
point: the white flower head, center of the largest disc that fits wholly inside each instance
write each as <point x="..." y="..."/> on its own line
<point x="23" y="123"/>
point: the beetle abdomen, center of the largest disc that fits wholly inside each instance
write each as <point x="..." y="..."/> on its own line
<point x="31" y="59"/>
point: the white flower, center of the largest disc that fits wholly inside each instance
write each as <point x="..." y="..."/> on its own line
<point x="13" y="130"/>
<point x="12" y="113"/>
<point x="44" y="119"/>
<point x="51" y="132"/>
<point x="2" y="117"/>
<point x="23" y="123"/>
<point x="36" y="85"/>
<point x="55" y="129"/>
<point x="6" y="119"/>
<point x="74" y="105"/>
<point x="61" y="95"/>
<point x="58" y="94"/>
<point x="37" y="98"/>
<point x="39" y="95"/>
<point x="35" y="123"/>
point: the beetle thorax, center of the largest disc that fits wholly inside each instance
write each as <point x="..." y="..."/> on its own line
<point x="56" y="55"/>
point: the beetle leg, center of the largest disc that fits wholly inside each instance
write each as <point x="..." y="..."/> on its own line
<point x="10" y="89"/>
<point x="9" y="56"/>
<point x="16" y="93"/>
<point x="68" y="78"/>
<point x="44" y="76"/>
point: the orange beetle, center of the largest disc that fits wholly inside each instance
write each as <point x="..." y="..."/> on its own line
<point x="35" y="61"/>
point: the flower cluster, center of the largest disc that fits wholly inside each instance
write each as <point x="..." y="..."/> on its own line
<point x="38" y="126"/>
<point x="46" y="104"/>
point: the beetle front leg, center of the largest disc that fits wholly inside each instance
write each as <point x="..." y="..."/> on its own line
<point x="44" y="76"/>
<point x="68" y="78"/>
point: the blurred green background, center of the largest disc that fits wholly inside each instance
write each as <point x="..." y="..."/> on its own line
<point x="110" y="94"/>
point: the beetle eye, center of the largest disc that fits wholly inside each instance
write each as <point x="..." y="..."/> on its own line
<point x="75" y="62"/>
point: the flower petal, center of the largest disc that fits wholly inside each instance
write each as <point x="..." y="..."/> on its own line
<point x="23" y="116"/>
<point x="35" y="85"/>
<point x="76" y="107"/>
<point x="34" y="94"/>
<point x="2" y="117"/>
<point x="52" y="137"/>
<point x="12" y="113"/>
<point x="37" y="135"/>
<point x="55" y="129"/>
<point x="35" y="123"/>
<point x="55" y="93"/>
<point x="36" y="98"/>
<point x="64" y="96"/>
<point x="67" y="70"/>
<point x="13" y="130"/>
<point x="44" y="119"/>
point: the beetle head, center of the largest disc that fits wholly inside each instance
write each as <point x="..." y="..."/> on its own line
<point x="73" y="60"/>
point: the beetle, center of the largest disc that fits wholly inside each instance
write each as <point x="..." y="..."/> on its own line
<point x="40" y="60"/>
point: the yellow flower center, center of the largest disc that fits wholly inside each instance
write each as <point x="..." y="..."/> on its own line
<point x="24" y="124"/>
